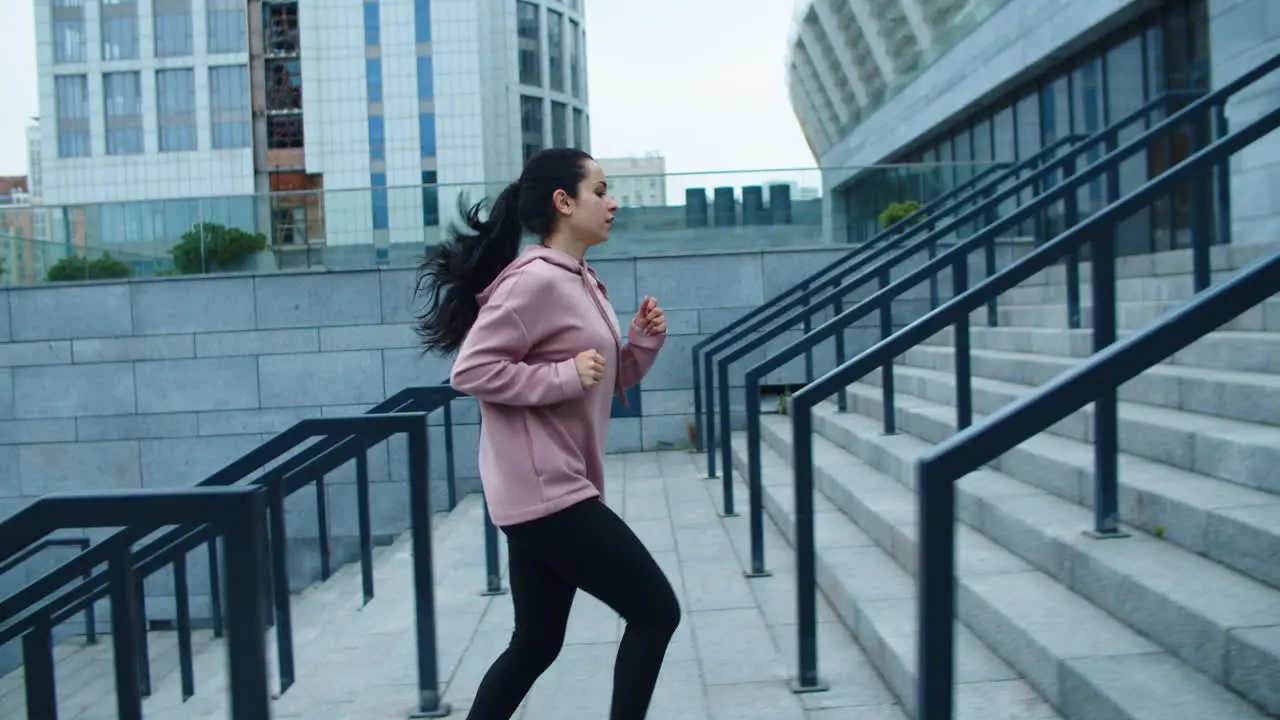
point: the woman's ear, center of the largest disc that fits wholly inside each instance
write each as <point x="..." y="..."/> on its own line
<point x="563" y="203"/>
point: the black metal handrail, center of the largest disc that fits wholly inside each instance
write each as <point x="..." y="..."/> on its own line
<point x="341" y="440"/>
<point x="90" y="619"/>
<point x="1095" y="379"/>
<point x="239" y="510"/>
<point x="794" y="296"/>
<point x="833" y="294"/>
<point x="1099" y="230"/>
<point x="1042" y="166"/>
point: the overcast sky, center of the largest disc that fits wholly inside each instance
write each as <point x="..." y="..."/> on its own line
<point x="698" y="81"/>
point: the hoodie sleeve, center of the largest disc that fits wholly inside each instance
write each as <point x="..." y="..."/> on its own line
<point x="490" y="363"/>
<point x="638" y="355"/>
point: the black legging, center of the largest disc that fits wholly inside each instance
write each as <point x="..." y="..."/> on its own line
<point x="584" y="546"/>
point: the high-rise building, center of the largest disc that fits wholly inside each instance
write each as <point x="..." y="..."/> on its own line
<point x="335" y="122"/>
<point x="637" y="181"/>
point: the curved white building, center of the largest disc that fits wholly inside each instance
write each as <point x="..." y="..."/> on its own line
<point x="940" y="89"/>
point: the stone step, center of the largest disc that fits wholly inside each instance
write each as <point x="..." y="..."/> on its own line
<point x="85" y="675"/>
<point x="1237" y="526"/>
<point x="1128" y="289"/>
<point x="1264" y="317"/>
<point x="1205" y="421"/>
<point x="1222" y="258"/>
<point x="1079" y="658"/>
<point x="1255" y="352"/>
<point x="1232" y="634"/>
<point x="875" y="600"/>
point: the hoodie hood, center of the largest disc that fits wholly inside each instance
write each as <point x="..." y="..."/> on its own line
<point x="536" y="252"/>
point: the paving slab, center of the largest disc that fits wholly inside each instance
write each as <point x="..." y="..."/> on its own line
<point x="731" y="658"/>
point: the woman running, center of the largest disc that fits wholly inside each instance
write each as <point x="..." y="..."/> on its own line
<point x="540" y="348"/>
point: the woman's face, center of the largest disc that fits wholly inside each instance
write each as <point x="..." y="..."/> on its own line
<point x="591" y="214"/>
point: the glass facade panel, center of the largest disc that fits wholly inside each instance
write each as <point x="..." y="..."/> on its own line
<point x="122" y="101"/>
<point x="229" y="106"/>
<point x="529" y="38"/>
<point x="173" y="28"/>
<point x="227" y="26"/>
<point x="176" y="109"/>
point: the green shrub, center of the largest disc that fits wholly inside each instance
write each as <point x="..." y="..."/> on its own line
<point x="897" y="211"/>
<point x="210" y="247"/>
<point x="80" y="268"/>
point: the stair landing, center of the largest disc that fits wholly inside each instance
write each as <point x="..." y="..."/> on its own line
<point x="731" y="658"/>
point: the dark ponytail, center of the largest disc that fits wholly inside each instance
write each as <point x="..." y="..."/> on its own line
<point x="454" y="272"/>
<point x="461" y="268"/>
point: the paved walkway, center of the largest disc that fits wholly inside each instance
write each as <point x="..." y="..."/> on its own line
<point x="730" y="660"/>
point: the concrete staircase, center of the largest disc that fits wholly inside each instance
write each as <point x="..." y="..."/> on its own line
<point x="326" y="615"/>
<point x="1180" y="621"/>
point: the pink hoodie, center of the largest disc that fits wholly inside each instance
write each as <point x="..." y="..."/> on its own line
<point x="542" y="436"/>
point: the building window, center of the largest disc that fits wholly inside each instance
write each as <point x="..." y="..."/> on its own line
<point x="373" y="79"/>
<point x="555" y="49"/>
<point x="559" y="125"/>
<point x="427" y="134"/>
<point x="173" y="28"/>
<point x="422" y="20"/>
<point x="229" y="106"/>
<point x="426" y="82"/>
<point x="430" y="199"/>
<point x="72" y="97"/>
<point x="527" y="31"/>
<point x="69" y="44"/>
<point x="377" y="138"/>
<point x="176" y="109"/>
<point x="531" y="125"/>
<point x="228" y="32"/>
<point x="575" y="59"/>
<point x="372" y="25"/>
<point x="119" y="30"/>
<point x="282" y="30"/>
<point x="122" y="100"/>
<point x="284" y="85"/>
<point x="578" y="129"/>
<point x="381" y="211"/>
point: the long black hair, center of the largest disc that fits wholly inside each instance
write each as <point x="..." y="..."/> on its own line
<point x="454" y="272"/>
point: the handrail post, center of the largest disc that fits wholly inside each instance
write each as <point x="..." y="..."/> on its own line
<point x="1222" y="179"/>
<point x="182" y="596"/>
<point x="806" y="679"/>
<point x="322" y="529"/>
<point x="450" y="474"/>
<point x="1106" y="441"/>
<point x="936" y="600"/>
<point x="1070" y="205"/>
<point x="755" y="485"/>
<point x="710" y="420"/>
<point x="90" y="614"/>
<point x="280" y="587"/>
<point x="886" y="371"/>
<point x="1201" y="208"/>
<point x="124" y="634"/>
<point x="842" y="397"/>
<point x="363" y="520"/>
<point x="39" y="678"/>
<point x="726" y="436"/>
<point x="246" y="544"/>
<point x="964" y="376"/>
<point x="429" y="702"/>
<point x="697" y="400"/>
<point x="215" y="589"/>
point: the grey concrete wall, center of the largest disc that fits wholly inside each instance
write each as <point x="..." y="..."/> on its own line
<point x="1242" y="34"/>
<point x="160" y="382"/>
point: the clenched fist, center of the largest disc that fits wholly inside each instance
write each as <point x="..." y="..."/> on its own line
<point x="590" y="366"/>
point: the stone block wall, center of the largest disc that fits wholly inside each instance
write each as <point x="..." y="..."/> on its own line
<point x="160" y="382"/>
